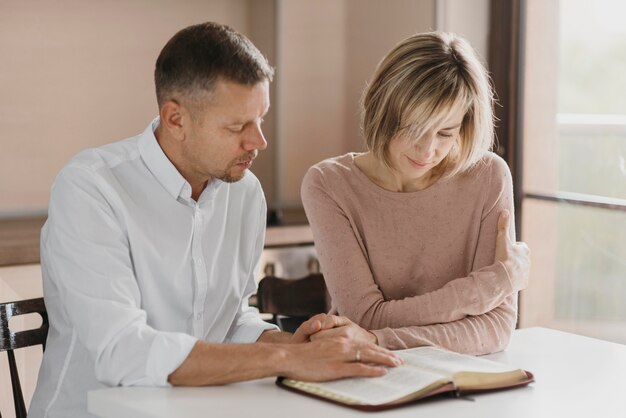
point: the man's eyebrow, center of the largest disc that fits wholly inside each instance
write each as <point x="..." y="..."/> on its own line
<point x="243" y="122"/>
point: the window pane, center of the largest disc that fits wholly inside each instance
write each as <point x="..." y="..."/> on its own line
<point x="590" y="264"/>
<point x="574" y="140"/>
<point x="578" y="274"/>
<point x="592" y="164"/>
<point x="592" y="56"/>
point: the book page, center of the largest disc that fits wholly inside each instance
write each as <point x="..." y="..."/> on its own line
<point x="426" y="370"/>
<point x="397" y="383"/>
<point x="447" y="363"/>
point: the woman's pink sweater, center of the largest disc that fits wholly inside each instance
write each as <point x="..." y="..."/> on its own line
<point x="416" y="268"/>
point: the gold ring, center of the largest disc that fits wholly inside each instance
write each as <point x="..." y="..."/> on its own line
<point x="358" y="355"/>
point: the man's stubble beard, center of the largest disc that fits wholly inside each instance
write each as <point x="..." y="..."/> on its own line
<point x="226" y="177"/>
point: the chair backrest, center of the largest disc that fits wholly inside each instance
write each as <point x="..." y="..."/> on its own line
<point x="292" y="301"/>
<point x="10" y="341"/>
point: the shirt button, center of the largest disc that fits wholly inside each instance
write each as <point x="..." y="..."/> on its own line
<point x="199" y="262"/>
<point x="198" y="316"/>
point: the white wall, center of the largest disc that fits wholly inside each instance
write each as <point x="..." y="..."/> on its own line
<point x="467" y="18"/>
<point x="77" y="74"/>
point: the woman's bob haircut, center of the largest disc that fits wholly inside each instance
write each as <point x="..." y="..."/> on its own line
<point x="419" y="83"/>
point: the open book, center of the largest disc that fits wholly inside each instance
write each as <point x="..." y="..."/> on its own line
<point x="427" y="371"/>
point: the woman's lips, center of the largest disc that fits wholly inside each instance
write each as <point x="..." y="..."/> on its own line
<point x="418" y="163"/>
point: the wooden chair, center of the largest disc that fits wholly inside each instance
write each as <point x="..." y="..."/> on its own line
<point x="292" y="301"/>
<point x="10" y="341"/>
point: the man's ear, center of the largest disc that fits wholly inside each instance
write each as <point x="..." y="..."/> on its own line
<point x="173" y="118"/>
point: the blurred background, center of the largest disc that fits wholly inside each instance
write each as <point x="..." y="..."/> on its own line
<point x="78" y="74"/>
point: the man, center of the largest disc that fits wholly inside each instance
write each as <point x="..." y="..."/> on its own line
<point x="149" y="250"/>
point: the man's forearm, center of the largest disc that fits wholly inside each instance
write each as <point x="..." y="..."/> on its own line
<point x="274" y="336"/>
<point x="327" y="359"/>
<point x="217" y="364"/>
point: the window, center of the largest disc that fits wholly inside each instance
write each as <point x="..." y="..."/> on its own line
<point x="574" y="173"/>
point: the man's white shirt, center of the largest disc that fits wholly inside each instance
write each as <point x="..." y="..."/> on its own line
<point x="135" y="271"/>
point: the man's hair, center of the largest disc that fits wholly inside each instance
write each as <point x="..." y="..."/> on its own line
<point x="418" y="83"/>
<point x="191" y="62"/>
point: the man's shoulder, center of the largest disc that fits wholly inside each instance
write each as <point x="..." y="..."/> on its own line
<point x="105" y="156"/>
<point x="93" y="168"/>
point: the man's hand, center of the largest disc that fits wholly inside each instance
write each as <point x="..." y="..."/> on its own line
<point x="320" y="326"/>
<point x="326" y="359"/>
<point x="336" y="358"/>
<point x="514" y="255"/>
<point x="331" y="326"/>
<point x="341" y="327"/>
<point x="308" y="328"/>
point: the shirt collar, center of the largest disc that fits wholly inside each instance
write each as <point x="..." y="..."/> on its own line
<point x="159" y="165"/>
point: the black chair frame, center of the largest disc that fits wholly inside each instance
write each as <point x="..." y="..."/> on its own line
<point x="292" y="301"/>
<point x="10" y="341"/>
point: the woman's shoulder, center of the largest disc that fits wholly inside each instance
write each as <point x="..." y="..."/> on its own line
<point x="489" y="177"/>
<point x="489" y="166"/>
<point x="333" y="176"/>
<point x="496" y="162"/>
<point x="339" y="164"/>
<point x="333" y="169"/>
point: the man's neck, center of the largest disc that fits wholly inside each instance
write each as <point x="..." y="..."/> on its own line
<point x="174" y="155"/>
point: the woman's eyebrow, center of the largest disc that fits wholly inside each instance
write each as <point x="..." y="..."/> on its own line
<point x="451" y="127"/>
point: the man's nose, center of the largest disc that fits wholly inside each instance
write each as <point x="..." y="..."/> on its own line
<point x="255" y="140"/>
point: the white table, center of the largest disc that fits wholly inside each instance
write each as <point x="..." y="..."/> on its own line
<point x="575" y="377"/>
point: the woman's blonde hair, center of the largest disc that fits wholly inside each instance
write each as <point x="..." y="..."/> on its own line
<point x="419" y="83"/>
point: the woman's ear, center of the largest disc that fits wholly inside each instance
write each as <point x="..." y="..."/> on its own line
<point x="173" y="119"/>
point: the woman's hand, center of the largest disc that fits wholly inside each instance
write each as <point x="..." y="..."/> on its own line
<point x="331" y="326"/>
<point x="515" y="256"/>
<point x="341" y="327"/>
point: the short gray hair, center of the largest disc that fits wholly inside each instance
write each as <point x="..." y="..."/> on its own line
<point x="191" y="62"/>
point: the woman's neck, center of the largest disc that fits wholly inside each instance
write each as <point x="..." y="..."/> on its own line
<point x="389" y="179"/>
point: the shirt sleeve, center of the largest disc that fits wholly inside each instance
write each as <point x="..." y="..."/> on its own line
<point x="248" y="325"/>
<point x="488" y="290"/>
<point x="87" y="252"/>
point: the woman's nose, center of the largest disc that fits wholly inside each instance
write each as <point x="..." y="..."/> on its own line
<point x="426" y="145"/>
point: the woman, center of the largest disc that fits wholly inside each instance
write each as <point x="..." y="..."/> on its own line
<point x="406" y="232"/>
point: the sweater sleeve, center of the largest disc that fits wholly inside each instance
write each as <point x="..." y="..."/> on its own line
<point x="476" y="335"/>
<point x="355" y="294"/>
